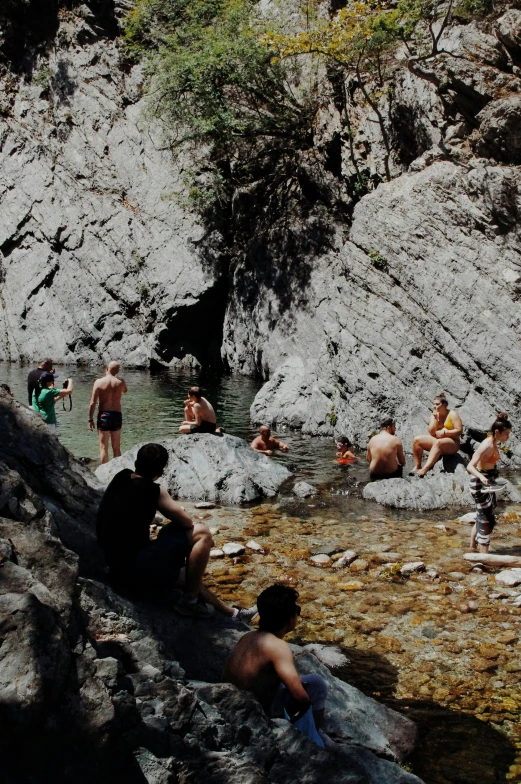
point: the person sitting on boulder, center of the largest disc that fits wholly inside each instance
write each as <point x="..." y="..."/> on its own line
<point x="262" y="662"/>
<point x="484" y="484"/>
<point x="125" y="514"/>
<point x="266" y="444"/>
<point x="199" y="413"/>
<point x="385" y="452"/>
<point x="443" y="438"/>
<point x="344" y="456"/>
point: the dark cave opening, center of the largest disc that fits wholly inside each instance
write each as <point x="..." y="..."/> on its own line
<point x="197" y="329"/>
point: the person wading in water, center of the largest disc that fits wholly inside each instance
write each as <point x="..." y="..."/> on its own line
<point x="106" y="394"/>
<point x="484" y="484"/>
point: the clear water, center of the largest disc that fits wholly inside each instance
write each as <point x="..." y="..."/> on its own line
<point x="153" y="409"/>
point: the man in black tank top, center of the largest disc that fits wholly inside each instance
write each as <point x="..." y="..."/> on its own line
<point x="126" y="512"/>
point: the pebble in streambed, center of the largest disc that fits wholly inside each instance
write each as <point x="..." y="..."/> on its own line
<point x="452" y="634"/>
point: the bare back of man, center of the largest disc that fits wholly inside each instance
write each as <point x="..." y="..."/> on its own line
<point x="385" y="454"/>
<point x="251" y="665"/>
<point x="106" y="394"/>
<point x="203" y="410"/>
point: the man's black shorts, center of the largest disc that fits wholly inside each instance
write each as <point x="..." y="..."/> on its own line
<point x="158" y="565"/>
<point x="109" y="421"/>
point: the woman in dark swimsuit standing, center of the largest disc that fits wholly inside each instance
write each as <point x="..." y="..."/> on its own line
<point x="484" y="485"/>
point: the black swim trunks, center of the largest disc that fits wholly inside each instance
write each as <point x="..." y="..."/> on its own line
<point x="109" y="420"/>
<point x="204" y="427"/>
<point x="395" y="475"/>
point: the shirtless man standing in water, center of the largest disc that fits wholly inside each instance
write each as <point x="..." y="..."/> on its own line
<point x="106" y="394"/>
<point x="385" y="453"/>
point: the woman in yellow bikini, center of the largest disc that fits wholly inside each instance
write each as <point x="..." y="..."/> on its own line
<point x="445" y="429"/>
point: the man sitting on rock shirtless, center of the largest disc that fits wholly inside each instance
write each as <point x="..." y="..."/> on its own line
<point x="262" y="662"/>
<point x="106" y="394"/>
<point x="385" y="453"/>
<point x="266" y="444"/>
<point x="200" y="415"/>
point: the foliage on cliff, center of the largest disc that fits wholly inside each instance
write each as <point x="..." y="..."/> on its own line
<point x="213" y="78"/>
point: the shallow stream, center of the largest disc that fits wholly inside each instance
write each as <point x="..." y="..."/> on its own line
<point x="442" y="645"/>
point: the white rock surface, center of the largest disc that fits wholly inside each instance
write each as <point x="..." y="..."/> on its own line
<point x="412" y="567"/>
<point x="208" y="467"/>
<point x="347" y="558"/>
<point x="509" y="577"/>
<point x="255" y="546"/>
<point x="304" y="490"/>
<point x="233" y="548"/>
<point x="321" y="560"/>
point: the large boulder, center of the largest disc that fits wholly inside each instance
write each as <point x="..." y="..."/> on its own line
<point x="99" y="258"/>
<point x="508" y="30"/>
<point x="42" y="484"/>
<point x="447" y="484"/>
<point x="421" y="298"/>
<point x="205" y="467"/>
<point x="354" y="718"/>
<point x="500" y="131"/>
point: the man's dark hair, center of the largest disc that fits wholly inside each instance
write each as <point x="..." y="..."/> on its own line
<point x="195" y="392"/>
<point x="344" y="440"/>
<point x="150" y="460"/>
<point x="276" y="606"/>
<point x="385" y="423"/>
<point x="6" y="388"/>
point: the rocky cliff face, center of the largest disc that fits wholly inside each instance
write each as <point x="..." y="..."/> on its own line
<point x="413" y="291"/>
<point x="97" y="687"/>
<point x="98" y="257"/>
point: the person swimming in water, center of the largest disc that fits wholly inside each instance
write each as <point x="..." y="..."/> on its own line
<point x="484" y="484"/>
<point x="344" y="456"/>
<point x="266" y="444"/>
<point x="443" y="438"/>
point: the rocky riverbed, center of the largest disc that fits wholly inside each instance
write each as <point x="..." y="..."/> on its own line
<point x="440" y="642"/>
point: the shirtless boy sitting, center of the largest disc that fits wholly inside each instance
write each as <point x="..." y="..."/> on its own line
<point x="200" y="415"/>
<point x="266" y="444"/>
<point x="262" y="663"/>
<point x="106" y="394"/>
<point x="385" y="453"/>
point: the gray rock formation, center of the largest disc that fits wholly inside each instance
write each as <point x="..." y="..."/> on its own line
<point x="99" y="259"/>
<point x="500" y="131"/>
<point x="437" y="490"/>
<point x="205" y="467"/>
<point x="97" y="687"/>
<point x="417" y="301"/>
<point x="304" y="490"/>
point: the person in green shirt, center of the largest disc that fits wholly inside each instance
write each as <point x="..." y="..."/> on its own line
<point x="45" y="397"/>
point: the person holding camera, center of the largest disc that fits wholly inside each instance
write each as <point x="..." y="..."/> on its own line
<point x="45" y="397"/>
